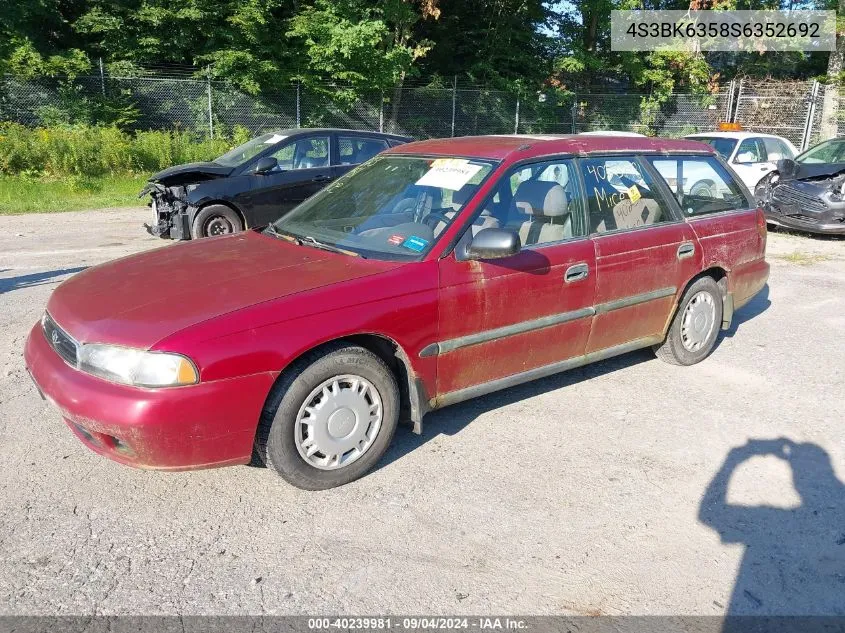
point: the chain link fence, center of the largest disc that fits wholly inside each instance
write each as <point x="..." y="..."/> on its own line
<point x="421" y="109"/>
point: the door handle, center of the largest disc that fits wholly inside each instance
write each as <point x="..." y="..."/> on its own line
<point x="321" y="178"/>
<point x="687" y="249"/>
<point x="577" y="272"/>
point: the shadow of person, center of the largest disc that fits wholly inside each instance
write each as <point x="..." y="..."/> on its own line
<point x="794" y="560"/>
<point x="7" y="284"/>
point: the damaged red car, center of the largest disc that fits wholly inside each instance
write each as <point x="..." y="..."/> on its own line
<point x="436" y="272"/>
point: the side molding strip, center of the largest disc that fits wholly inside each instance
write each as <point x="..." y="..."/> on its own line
<point x="540" y="372"/>
<point x="444" y="347"/>
<point x="627" y="302"/>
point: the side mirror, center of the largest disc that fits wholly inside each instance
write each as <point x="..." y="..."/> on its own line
<point x="265" y="165"/>
<point x="787" y="168"/>
<point x="492" y="244"/>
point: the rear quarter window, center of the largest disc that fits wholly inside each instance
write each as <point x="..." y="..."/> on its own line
<point x="700" y="184"/>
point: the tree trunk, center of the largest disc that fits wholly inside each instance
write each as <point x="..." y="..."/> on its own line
<point x="830" y="105"/>
<point x="396" y="102"/>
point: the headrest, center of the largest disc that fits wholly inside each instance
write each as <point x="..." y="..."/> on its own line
<point x="537" y="197"/>
<point x="462" y="195"/>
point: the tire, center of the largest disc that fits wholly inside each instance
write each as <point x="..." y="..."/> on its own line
<point x="703" y="188"/>
<point x="691" y="342"/>
<point x="282" y="438"/>
<point x="215" y="220"/>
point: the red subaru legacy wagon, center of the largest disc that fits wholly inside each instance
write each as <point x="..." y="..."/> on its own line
<point x="436" y="272"/>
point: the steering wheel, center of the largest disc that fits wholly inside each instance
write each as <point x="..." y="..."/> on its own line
<point x="438" y="216"/>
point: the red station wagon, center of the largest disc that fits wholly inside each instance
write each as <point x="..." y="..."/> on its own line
<point x="436" y="272"/>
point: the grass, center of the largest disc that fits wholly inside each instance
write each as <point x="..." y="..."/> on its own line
<point x="21" y="194"/>
<point x="803" y="259"/>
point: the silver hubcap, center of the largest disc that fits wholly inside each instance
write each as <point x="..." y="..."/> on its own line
<point x="698" y="321"/>
<point x="338" y="422"/>
<point x="218" y="226"/>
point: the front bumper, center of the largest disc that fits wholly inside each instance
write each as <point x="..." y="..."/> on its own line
<point x="830" y="222"/>
<point x="174" y="225"/>
<point x="179" y="428"/>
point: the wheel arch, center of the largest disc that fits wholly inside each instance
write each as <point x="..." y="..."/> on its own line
<point x="719" y="274"/>
<point x="413" y="399"/>
<point x="224" y="203"/>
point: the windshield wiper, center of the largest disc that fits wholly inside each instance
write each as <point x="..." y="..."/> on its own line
<point x="310" y="241"/>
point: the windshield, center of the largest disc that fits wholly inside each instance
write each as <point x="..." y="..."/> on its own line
<point x="723" y="146"/>
<point x="392" y="207"/>
<point x="250" y="149"/>
<point x="832" y="151"/>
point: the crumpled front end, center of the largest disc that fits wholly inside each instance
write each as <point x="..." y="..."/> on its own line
<point x="170" y="216"/>
<point x="815" y="205"/>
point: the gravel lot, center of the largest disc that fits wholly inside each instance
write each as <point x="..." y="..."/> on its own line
<point x="577" y="494"/>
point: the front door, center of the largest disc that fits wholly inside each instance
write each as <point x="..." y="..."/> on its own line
<point x="751" y="162"/>
<point x="644" y="252"/>
<point x="503" y="317"/>
<point x="303" y="169"/>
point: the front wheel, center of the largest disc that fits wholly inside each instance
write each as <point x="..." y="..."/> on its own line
<point x="215" y="220"/>
<point x="696" y="325"/>
<point x="330" y="418"/>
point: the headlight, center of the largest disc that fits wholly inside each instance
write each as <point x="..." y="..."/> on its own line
<point x="137" y="367"/>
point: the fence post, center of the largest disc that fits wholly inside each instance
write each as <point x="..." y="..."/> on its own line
<point x="735" y="105"/>
<point x="210" y="112"/>
<point x="811" y="115"/>
<point x="298" y="111"/>
<point x="516" y="117"/>
<point x="381" y="111"/>
<point x="730" y="100"/>
<point x="575" y="113"/>
<point x="102" y="78"/>
<point x="454" y="99"/>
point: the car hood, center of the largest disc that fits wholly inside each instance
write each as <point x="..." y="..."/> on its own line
<point x="204" y="169"/>
<point x="139" y="300"/>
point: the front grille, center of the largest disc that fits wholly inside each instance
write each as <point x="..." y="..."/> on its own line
<point x="787" y="194"/>
<point x="59" y="340"/>
<point x="804" y="218"/>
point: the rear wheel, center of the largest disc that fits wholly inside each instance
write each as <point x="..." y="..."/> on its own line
<point x="215" y="220"/>
<point x="696" y="325"/>
<point x="330" y="418"/>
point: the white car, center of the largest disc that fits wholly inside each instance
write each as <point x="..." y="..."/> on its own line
<point x="750" y="154"/>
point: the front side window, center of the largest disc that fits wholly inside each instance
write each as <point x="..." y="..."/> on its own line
<point x="621" y="195"/>
<point x="306" y="153"/>
<point x="751" y="150"/>
<point x="541" y="202"/>
<point x="358" y="149"/>
<point x="392" y="207"/>
<point x="700" y="184"/>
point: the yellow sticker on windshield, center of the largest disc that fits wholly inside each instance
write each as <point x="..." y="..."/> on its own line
<point x="634" y="193"/>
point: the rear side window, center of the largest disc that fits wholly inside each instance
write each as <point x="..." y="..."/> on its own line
<point x="700" y="184"/>
<point x="776" y="149"/>
<point x="621" y="195"/>
<point x="358" y="149"/>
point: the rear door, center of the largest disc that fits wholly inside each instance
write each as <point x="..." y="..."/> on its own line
<point x="645" y="252"/>
<point x="303" y="169"/>
<point x="507" y="316"/>
<point x="730" y="230"/>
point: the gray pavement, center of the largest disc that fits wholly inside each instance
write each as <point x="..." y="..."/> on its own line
<point x="576" y="494"/>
